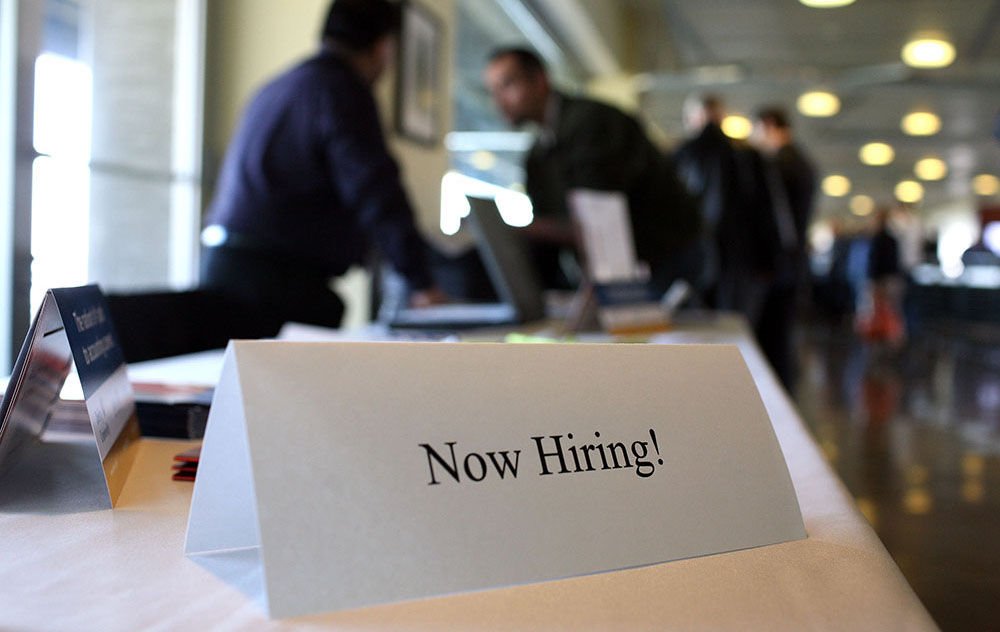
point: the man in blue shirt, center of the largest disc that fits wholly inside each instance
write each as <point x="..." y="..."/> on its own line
<point x="308" y="183"/>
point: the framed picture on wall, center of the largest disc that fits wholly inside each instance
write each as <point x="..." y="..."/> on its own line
<point x="418" y="86"/>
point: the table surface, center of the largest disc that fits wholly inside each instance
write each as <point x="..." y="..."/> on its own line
<point x="124" y="569"/>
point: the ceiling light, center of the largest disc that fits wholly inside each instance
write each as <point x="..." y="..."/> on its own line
<point x="877" y="154"/>
<point x="836" y="186"/>
<point x="738" y="127"/>
<point x="928" y="52"/>
<point x="921" y="124"/>
<point x="483" y="160"/>
<point x="986" y="184"/>
<point x="931" y="169"/>
<point x="862" y="205"/>
<point x="818" y="103"/>
<point x="909" y="191"/>
<point x="826" y="4"/>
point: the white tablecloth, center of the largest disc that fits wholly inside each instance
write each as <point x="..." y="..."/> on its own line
<point x="124" y="569"/>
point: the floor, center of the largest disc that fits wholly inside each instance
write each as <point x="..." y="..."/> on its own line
<point x="914" y="433"/>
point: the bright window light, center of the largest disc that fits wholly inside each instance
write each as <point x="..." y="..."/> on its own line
<point x="60" y="204"/>
<point x="822" y="238"/>
<point x="62" y="107"/>
<point x="514" y="206"/>
<point x="991" y="237"/>
<point x="955" y="238"/>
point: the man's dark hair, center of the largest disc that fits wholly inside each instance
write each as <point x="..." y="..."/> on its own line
<point x="712" y="102"/>
<point x="527" y="59"/>
<point x="774" y="116"/>
<point x="357" y="24"/>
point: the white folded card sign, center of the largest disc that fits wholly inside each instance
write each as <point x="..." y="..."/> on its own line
<point x="365" y="473"/>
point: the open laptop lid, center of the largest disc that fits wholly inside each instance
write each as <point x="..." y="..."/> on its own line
<point x="511" y="272"/>
<point x="507" y="260"/>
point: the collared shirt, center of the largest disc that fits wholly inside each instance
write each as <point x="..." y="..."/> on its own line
<point x="308" y="175"/>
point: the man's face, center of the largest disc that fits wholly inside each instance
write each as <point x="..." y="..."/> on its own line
<point x="759" y="136"/>
<point x="385" y="54"/>
<point x="518" y="95"/>
<point x="765" y="136"/>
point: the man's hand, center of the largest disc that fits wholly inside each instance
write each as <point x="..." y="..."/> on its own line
<point x="551" y="231"/>
<point x="425" y="298"/>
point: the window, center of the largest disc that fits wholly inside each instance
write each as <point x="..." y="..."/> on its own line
<point x="112" y="149"/>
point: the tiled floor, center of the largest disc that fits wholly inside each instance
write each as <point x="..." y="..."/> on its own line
<point x="915" y="435"/>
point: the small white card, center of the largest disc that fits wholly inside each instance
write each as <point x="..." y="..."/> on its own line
<point x="365" y="473"/>
<point x="607" y="234"/>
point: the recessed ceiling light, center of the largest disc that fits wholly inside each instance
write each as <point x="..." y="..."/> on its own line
<point x="826" y="4"/>
<point x="986" y="184"/>
<point x="921" y="124"/>
<point x="736" y="126"/>
<point x="928" y="52"/>
<point x="909" y="191"/>
<point x="818" y="103"/>
<point x="862" y="205"/>
<point x="931" y="169"/>
<point x="836" y="185"/>
<point x="877" y="154"/>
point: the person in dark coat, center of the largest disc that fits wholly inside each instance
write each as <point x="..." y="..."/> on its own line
<point x="591" y="145"/>
<point x="792" y="180"/>
<point x="739" y="238"/>
<point x="308" y="183"/>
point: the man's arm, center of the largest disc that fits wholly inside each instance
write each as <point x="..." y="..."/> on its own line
<point x="368" y="181"/>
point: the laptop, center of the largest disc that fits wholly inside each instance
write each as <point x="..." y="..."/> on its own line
<point x="510" y="269"/>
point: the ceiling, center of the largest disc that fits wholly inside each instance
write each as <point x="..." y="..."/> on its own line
<point x="757" y="52"/>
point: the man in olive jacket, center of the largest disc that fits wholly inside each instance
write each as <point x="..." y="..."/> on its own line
<point x="591" y="145"/>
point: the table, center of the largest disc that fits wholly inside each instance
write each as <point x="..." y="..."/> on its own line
<point x="125" y="569"/>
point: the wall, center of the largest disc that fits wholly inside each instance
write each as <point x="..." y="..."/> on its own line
<point x="251" y="40"/>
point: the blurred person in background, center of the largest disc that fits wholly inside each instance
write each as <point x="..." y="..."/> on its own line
<point x="584" y="144"/>
<point x="880" y="319"/>
<point x="738" y="235"/>
<point x="308" y="182"/>
<point x="791" y="178"/>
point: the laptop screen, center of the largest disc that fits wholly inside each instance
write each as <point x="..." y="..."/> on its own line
<point x="507" y="260"/>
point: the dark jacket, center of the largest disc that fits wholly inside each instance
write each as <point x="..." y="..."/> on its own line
<point x="730" y="179"/>
<point x="798" y="176"/>
<point x="599" y="147"/>
<point x="883" y="256"/>
<point x="308" y="176"/>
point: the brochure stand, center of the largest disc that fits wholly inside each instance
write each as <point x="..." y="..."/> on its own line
<point x="71" y="340"/>
<point x="616" y="289"/>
